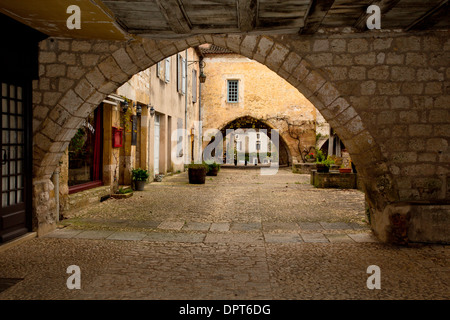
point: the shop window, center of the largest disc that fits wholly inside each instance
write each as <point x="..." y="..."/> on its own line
<point x="85" y="154"/>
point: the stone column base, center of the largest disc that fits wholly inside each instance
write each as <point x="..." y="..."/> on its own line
<point x="408" y="222"/>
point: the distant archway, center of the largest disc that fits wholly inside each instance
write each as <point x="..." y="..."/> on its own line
<point x="263" y="129"/>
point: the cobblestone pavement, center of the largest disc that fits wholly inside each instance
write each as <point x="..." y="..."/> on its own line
<point x="292" y="242"/>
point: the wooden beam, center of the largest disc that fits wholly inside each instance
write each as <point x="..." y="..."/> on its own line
<point x="174" y="13"/>
<point x="315" y="14"/>
<point x="247" y="14"/>
<point x="430" y="18"/>
<point x="385" y="7"/>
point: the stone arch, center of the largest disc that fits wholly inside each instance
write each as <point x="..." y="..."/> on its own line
<point x="262" y="124"/>
<point x="62" y="112"/>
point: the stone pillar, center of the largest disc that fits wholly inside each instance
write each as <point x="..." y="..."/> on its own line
<point x="143" y="133"/>
<point x="44" y="206"/>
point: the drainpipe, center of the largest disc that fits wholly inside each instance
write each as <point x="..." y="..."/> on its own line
<point x="200" y="125"/>
<point x="186" y="152"/>
<point x="55" y="180"/>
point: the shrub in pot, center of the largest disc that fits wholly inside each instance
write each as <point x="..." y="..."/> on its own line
<point x="139" y="177"/>
<point x="323" y="163"/>
<point x="213" y="169"/>
<point x="197" y="173"/>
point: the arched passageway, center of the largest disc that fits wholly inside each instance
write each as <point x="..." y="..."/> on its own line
<point x="252" y="138"/>
<point x="365" y="94"/>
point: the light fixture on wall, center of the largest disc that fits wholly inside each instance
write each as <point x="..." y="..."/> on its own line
<point x="125" y="106"/>
<point x="202" y="77"/>
<point x="138" y="110"/>
<point x="152" y="110"/>
<point x="202" y="65"/>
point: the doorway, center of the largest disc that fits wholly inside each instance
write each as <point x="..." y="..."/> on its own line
<point x="16" y="164"/>
<point x="156" y="145"/>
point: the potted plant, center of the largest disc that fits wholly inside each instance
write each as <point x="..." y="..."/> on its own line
<point x="140" y="177"/>
<point x="310" y="157"/>
<point x="213" y="169"/>
<point x="197" y="173"/>
<point x="323" y="163"/>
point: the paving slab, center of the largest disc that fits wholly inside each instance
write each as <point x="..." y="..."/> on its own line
<point x="357" y="226"/>
<point x="171" y="225"/>
<point x="282" y="237"/>
<point x="63" y="233"/>
<point x="280" y="226"/>
<point x="335" y="225"/>
<point x="144" y="224"/>
<point x="131" y="236"/>
<point x="220" y="226"/>
<point x="245" y="226"/>
<point x="339" y="238"/>
<point x="363" y="237"/>
<point x="175" y="237"/>
<point x="196" y="226"/>
<point x="310" y="226"/>
<point x="94" y="234"/>
<point x="313" y="237"/>
<point x="251" y="238"/>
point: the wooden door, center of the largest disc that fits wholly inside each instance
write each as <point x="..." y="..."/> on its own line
<point x="15" y="186"/>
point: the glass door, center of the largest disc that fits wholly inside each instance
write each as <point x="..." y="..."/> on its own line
<point x="13" y="215"/>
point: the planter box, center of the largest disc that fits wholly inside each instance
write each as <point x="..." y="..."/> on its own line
<point x="303" y="168"/>
<point x="197" y="175"/>
<point x="345" y="170"/>
<point x="334" y="180"/>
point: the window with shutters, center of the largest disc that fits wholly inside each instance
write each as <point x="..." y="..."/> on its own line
<point x="183" y="76"/>
<point x="179" y="75"/>
<point x="233" y="91"/>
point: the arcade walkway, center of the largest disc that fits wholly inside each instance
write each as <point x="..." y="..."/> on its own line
<point x="239" y="236"/>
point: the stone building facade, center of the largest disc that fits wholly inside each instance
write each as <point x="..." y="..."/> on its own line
<point x="262" y="95"/>
<point x="148" y="109"/>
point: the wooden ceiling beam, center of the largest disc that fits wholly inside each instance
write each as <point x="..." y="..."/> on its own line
<point x="247" y="14"/>
<point x="175" y="15"/>
<point x="430" y="18"/>
<point x="315" y="14"/>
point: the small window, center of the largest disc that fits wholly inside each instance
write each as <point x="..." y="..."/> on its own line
<point x="233" y="91"/>
<point x="167" y="70"/>
<point x="258" y="146"/>
<point x="258" y="136"/>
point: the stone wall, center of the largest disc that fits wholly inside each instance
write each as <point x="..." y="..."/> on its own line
<point x="263" y="95"/>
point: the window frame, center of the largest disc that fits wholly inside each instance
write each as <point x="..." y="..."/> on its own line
<point x="236" y="94"/>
